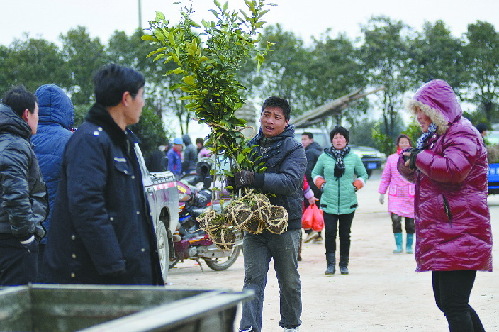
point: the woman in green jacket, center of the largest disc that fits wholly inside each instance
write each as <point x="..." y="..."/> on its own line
<point x="339" y="174"/>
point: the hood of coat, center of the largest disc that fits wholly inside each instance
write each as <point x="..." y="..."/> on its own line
<point x="437" y="100"/>
<point x="11" y="123"/>
<point x="54" y="106"/>
<point x="186" y="139"/>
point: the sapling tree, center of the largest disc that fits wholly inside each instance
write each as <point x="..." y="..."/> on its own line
<point x="208" y="57"/>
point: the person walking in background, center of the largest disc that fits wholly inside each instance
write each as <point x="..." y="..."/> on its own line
<point x="190" y="156"/>
<point x="453" y="232"/>
<point x="285" y="162"/>
<point x="23" y="198"/>
<point x="312" y="151"/>
<point x="203" y="152"/>
<point x="174" y="156"/>
<point x="309" y="199"/>
<point x="482" y="129"/>
<point x="339" y="174"/>
<point x="156" y="161"/>
<point x="102" y="231"/>
<point x="55" y="120"/>
<point x="400" y="197"/>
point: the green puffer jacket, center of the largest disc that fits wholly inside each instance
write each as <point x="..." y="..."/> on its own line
<point x="339" y="196"/>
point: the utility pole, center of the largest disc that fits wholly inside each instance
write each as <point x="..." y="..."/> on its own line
<point x="140" y="14"/>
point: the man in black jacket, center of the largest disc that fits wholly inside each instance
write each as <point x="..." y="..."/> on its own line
<point x="312" y="151"/>
<point x="102" y="232"/>
<point x="285" y="162"/>
<point x="23" y="195"/>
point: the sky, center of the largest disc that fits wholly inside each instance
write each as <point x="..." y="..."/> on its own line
<point x="48" y="19"/>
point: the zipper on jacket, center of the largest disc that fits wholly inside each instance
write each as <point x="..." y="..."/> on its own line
<point x="447" y="209"/>
<point x="338" y="179"/>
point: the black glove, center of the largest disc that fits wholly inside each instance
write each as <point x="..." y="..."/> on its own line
<point x="243" y="179"/>
<point x="412" y="157"/>
<point x="230" y="182"/>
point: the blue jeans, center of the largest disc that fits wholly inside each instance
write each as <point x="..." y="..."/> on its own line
<point x="452" y="290"/>
<point x="258" y="249"/>
<point x="18" y="262"/>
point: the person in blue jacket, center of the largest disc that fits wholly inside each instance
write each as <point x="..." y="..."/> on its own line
<point x="55" y="119"/>
<point x="102" y="231"/>
<point x="174" y="156"/>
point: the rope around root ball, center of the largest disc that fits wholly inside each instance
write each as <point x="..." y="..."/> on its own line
<point x="252" y="213"/>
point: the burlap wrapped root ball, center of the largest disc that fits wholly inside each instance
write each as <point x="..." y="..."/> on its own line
<point x="253" y="213"/>
<point x="278" y="221"/>
<point x="218" y="228"/>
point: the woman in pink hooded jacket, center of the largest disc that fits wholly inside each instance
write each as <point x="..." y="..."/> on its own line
<point x="453" y="233"/>
<point x="400" y="197"/>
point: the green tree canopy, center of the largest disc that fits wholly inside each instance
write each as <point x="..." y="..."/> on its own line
<point x="481" y="54"/>
<point x="32" y="62"/>
<point x="83" y="55"/>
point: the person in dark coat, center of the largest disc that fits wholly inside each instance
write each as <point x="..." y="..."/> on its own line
<point x="22" y="193"/>
<point x="312" y="151"/>
<point x="55" y="119"/>
<point x="453" y="231"/>
<point x="285" y="162"/>
<point x="190" y="156"/>
<point x="157" y="161"/>
<point x="102" y="232"/>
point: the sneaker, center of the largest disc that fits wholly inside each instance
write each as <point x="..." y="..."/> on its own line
<point x="294" y="329"/>
<point x="310" y="237"/>
<point x="318" y="239"/>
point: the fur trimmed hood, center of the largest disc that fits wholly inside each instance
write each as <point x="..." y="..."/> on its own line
<point x="439" y="102"/>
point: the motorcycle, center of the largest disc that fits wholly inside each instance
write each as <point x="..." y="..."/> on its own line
<point x="190" y="241"/>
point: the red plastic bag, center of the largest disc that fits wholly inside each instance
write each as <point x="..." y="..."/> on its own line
<point x="307" y="218"/>
<point x="318" y="224"/>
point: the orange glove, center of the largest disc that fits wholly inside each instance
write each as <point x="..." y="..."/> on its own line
<point x="358" y="184"/>
<point x="319" y="182"/>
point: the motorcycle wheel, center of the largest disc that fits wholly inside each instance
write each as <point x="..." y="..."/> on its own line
<point x="221" y="264"/>
<point x="163" y="249"/>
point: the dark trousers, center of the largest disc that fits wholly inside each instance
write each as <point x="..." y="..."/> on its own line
<point x="452" y="290"/>
<point x="258" y="250"/>
<point x="332" y="226"/>
<point x="397" y="224"/>
<point x="18" y="262"/>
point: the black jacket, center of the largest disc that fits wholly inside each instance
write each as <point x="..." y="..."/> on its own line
<point x="285" y="160"/>
<point x="23" y="197"/>
<point x="312" y="152"/>
<point x="102" y="232"/>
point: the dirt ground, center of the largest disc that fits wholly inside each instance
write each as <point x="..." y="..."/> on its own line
<point x="382" y="292"/>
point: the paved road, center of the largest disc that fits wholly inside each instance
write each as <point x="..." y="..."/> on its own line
<point x="382" y="292"/>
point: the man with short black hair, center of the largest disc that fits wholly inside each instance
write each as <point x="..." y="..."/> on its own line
<point x="23" y="195"/>
<point x="284" y="158"/>
<point x="102" y="232"/>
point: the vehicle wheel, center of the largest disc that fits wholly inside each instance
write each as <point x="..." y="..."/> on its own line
<point x="163" y="249"/>
<point x="220" y="264"/>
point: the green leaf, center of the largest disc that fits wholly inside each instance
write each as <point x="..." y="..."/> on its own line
<point x="190" y="80"/>
<point x="177" y="70"/>
<point x="148" y="37"/>
<point x="159" y="16"/>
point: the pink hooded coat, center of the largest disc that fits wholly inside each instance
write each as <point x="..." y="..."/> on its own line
<point x="452" y="217"/>
<point x="400" y="191"/>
